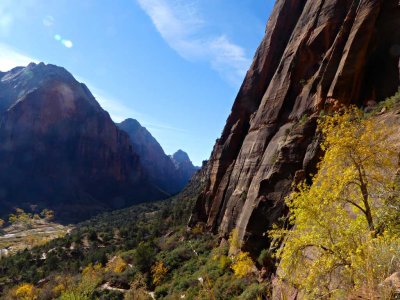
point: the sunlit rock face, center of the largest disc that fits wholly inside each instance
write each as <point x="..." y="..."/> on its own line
<point x="171" y="174"/>
<point x="60" y="150"/>
<point x="315" y="56"/>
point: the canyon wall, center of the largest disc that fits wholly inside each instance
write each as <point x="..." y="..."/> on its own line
<point x="315" y="55"/>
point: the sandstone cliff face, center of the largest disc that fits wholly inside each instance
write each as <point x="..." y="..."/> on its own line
<point x="60" y="150"/>
<point x="315" y="55"/>
<point x="164" y="171"/>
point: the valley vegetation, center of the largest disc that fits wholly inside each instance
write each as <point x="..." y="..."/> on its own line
<point x="137" y="253"/>
<point x="341" y="238"/>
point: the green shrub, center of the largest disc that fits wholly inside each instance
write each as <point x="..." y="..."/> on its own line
<point x="391" y="101"/>
<point x="388" y="103"/>
<point x="255" y="291"/>
<point x="265" y="258"/>
<point x="161" y="291"/>
<point x="143" y="256"/>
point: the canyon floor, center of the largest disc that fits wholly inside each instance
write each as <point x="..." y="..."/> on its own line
<point x="16" y="238"/>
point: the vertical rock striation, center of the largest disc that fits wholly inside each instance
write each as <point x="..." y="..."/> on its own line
<point x="315" y="55"/>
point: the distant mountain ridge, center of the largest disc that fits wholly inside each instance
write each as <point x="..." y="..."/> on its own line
<point x="170" y="173"/>
<point x="184" y="165"/>
<point x="60" y="150"/>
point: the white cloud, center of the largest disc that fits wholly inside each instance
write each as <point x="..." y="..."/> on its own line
<point x="229" y="58"/>
<point x="10" y="58"/>
<point x="119" y="111"/>
<point x="181" y="26"/>
<point x="175" y="20"/>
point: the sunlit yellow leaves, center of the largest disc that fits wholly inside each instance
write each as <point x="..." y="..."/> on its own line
<point x="20" y="217"/>
<point x="340" y="213"/>
<point x="242" y="264"/>
<point x="158" y="271"/>
<point x="116" y="265"/>
<point x="58" y="289"/>
<point x="91" y="277"/>
<point x="25" y="291"/>
<point x="47" y="214"/>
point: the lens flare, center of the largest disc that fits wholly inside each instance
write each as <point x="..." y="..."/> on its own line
<point x="67" y="43"/>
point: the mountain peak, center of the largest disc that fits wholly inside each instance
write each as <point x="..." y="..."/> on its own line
<point x="18" y="83"/>
<point x="131" y="124"/>
<point x="181" y="156"/>
<point x="139" y="134"/>
<point x="39" y="72"/>
<point x="52" y="126"/>
<point x="170" y="173"/>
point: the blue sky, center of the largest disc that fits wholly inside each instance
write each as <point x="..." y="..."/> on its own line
<point x="174" y="65"/>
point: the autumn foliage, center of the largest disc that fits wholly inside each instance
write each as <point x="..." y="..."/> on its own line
<point x="116" y="265"/>
<point x="25" y="291"/>
<point x="242" y="264"/>
<point x="341" y="238"/>
<point x="158" y="271"/>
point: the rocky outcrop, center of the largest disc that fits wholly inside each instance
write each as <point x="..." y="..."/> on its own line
<point x="393" y="281"/>
<point x="60" y="150"/>
<point x="315" y="56"/>
<point x="170" y="174"/>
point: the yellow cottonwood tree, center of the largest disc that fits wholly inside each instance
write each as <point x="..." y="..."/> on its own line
<point x="341" y="212"/>
<point x="158" y="271"/>
<point x="26" y="291"/>
<point x="116" y="265"/>
<point x="242" y="264"/>
<point x="91" y="277"/>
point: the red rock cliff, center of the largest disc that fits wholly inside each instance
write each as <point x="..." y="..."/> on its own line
<point x="315" y="54"/>
<point x="60" y="150"/>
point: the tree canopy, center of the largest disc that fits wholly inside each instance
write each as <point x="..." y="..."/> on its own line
<point x="341" y="237"/>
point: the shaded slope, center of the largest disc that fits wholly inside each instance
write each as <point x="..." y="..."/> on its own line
<point x="168" y="173"/>
<point x="60" y="150"/>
